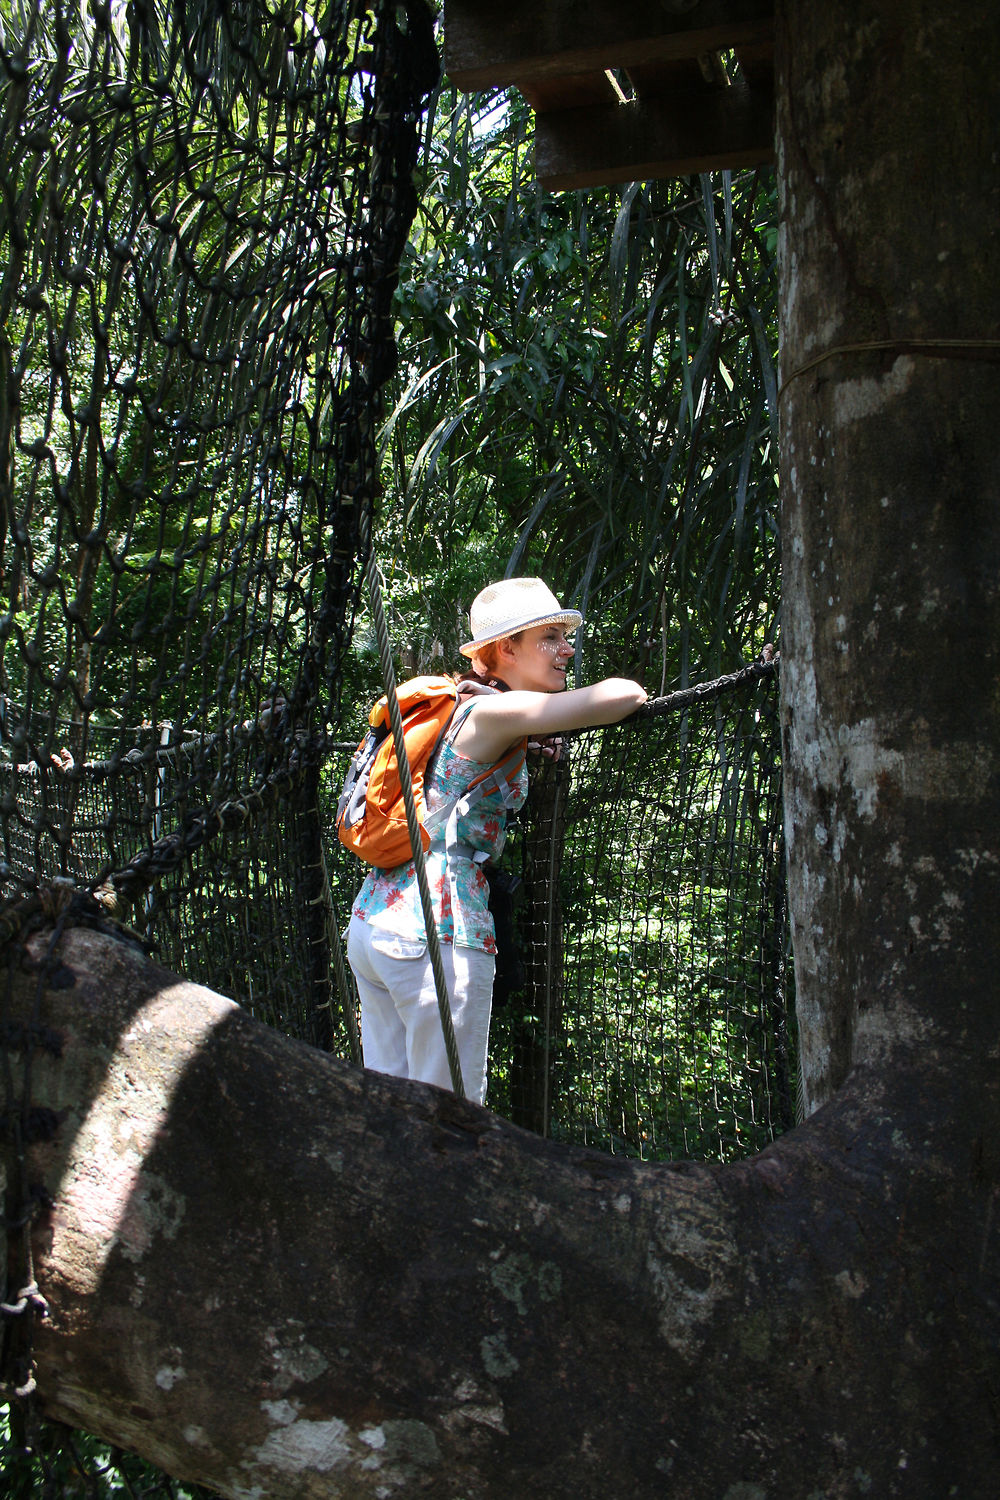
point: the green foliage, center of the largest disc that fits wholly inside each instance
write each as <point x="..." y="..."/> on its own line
<point x="587" y="390"/>
<point x="169" y="387"/>
<point x="664" y="1012"/>
<point x="70" y="1465"/>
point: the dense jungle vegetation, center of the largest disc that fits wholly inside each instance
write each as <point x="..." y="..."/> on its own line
<point x="585" y="390"/>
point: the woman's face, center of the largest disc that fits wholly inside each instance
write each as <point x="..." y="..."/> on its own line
<point x="541" y="655"/>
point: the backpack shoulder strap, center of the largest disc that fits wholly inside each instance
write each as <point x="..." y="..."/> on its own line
<point x="510" y="763"/>
<point x="418" y="694"/>
<point x="468" y="692"/>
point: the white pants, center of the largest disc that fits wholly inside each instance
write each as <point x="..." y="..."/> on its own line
<point x="400" y="1021"/>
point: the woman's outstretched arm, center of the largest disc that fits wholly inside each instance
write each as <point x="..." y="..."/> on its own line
<point x="496" y="723"/>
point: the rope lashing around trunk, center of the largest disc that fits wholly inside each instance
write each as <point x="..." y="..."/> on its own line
<point x="987" y="350"/>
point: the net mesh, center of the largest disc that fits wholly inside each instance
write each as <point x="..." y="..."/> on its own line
<point x="654" y="1017"/>
<point x="197" y="322"/>
<point x="203" y="210"/>
<point x="204" y="205"/>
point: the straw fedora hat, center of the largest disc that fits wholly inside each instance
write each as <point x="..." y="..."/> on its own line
<point x="514" y="604"/>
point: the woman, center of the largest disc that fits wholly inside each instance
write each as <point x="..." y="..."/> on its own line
<point x="520" y="653"/>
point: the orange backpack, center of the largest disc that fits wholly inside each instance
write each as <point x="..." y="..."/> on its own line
<point x="371" y="815"/>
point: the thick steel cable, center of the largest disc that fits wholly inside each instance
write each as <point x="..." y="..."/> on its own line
<point x="412" y="821"/>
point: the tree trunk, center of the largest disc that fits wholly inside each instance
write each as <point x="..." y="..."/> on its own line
<point x="891" y="528"/>
<point x="282" y="1276"/>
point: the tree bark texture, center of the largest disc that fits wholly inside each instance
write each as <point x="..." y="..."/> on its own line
<point x="282" y="1276"/>
<point x="889" y="138"/>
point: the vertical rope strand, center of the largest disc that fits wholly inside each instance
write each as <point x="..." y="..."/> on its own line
<point x="412" y="821"/>
<point x="550" y="962"/>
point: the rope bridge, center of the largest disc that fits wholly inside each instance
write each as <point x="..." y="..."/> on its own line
<point x="655" y="1016"/>
<point x="204" y="209"/>
<point x="649" y="1013"/>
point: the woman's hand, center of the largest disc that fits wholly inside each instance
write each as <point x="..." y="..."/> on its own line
<point x="549" y="749"/>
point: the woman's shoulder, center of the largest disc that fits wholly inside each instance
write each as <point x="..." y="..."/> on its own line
<point x="486" y="734"/>
<point x="453" y="759"/>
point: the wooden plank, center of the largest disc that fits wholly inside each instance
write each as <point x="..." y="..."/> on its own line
<point x="570" y="92"/>
<point x="493" y="43"/>
<point x="574" y="90"/>
<point x="685" y="75"/>
<point x="756" y="62"/>
<point x="660" y="137"/>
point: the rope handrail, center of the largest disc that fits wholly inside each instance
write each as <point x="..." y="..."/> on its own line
<point x="325" y="744"/>
<point x="701" y="692"/>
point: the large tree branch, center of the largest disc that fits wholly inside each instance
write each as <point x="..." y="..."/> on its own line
<point x="280" y="1276"/>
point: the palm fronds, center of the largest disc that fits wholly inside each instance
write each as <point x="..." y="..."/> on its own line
<point x="587" y="379"/>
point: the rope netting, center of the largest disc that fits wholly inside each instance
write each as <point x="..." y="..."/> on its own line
<point x="196" y="319"/>
<point x="203" y="209"/>
<point x="204" y="206"/>
<point x="643" y="1002"/>
<point x="649" y="926"/>
<point x="653" y="1018"/>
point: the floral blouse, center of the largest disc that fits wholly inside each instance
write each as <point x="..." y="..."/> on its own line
<point x="390" y="899"/>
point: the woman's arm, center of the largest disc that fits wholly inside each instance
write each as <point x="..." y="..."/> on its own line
<point x="496" y="723"/>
